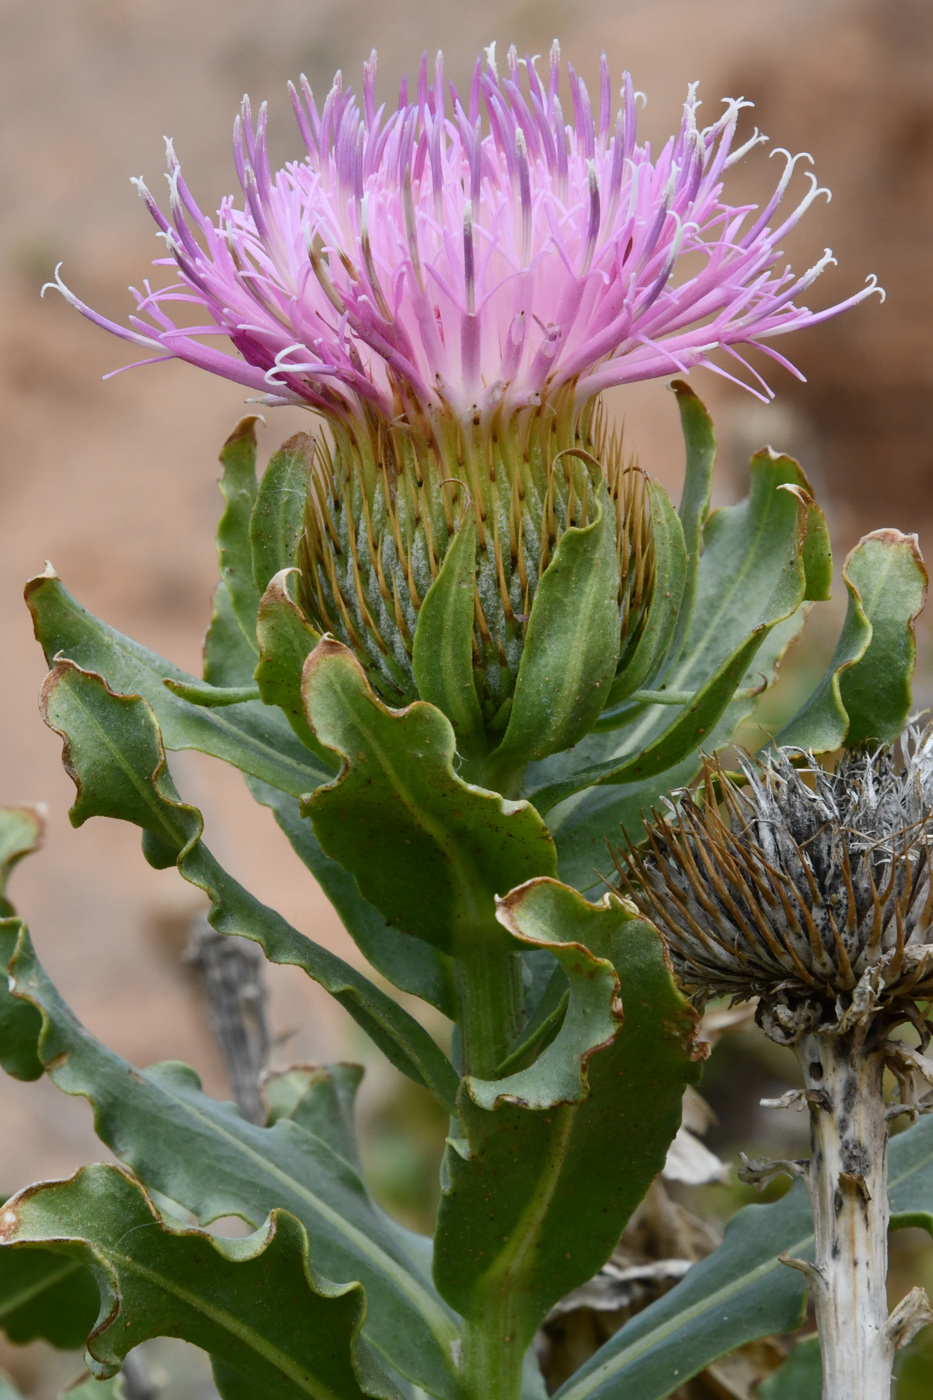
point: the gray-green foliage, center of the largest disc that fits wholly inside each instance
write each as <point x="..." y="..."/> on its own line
<point x="463" y="875"/>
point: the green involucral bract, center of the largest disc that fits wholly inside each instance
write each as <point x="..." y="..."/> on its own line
<point x="502" y="572"/>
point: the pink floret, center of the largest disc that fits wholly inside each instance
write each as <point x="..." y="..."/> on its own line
<point x="473" y="252"/>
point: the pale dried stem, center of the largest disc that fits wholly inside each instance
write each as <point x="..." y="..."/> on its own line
<point x="847" y="1181"/>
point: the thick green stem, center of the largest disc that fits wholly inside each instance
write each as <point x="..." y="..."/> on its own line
<point x="492" y="1359"/>
<point x="490" y="1001"/>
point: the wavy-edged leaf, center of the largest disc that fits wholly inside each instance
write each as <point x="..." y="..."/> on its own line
<point x="401" y="820"/>
<point x="821" y="723"/>
<point x="22" y="830"/>
<point x="256" y="1304"/>
<point x="442" y="650"/>
<point x="255" y="738"/>
<point x="113" y="751"/>
<point x="536" y="1199"/>
<point x="741" y="1291"/>
<point x="571" y="643"/>
<point x="20" y="1023"/>
<point x="408" y="963"/>
<point x="319" y="1098"/>
<point x="286" y="640"/>
<point x="277" y="517"/>
<point x="683" y="737"/>
<point x="887" y="569"/>
<point x="213" y="1162"/>
<point x="872" y="666"/>
<point x="45" y="1296"/>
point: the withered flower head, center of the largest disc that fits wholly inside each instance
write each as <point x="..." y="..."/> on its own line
<point x="808" y="888"/>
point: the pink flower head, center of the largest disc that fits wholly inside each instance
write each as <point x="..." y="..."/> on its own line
<point x="473" y="251"/>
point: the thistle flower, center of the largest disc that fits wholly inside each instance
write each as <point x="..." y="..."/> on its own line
<point x="473" y="252"/>
<point x="451" y="286"/>
<point x="807" y="888"/>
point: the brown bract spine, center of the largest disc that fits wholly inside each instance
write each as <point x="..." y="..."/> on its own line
<point x="387" y="498"/>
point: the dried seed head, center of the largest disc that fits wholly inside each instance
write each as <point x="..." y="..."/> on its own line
<point x="810" y="889"/>
<point x="385" y="505"/>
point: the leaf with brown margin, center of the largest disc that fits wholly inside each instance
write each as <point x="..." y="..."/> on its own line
<point x="536" y="1198"/>
<point x="255" y="1304"/>
<point x="888" y="570"/>
<point x="204" y="1155"/>
<point x="430" y="851"/>
<point x="22" y="831"/>
<point x="286" y="640"/>
<point x="865" y="693"/>
<point x="113" y="751"/>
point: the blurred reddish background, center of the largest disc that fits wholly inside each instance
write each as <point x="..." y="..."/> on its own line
<point x="115" y="482"/>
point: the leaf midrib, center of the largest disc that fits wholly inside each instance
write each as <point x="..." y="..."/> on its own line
<point x="261" y="1345"/>
<point x="439" y="1323"/>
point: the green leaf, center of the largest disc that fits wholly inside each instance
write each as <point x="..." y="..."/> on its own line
<point x="683" y="737"/>
<point x="408" y="963"/>
<point x="44" y="1295"/>
<point x="277" y="518"/>
<point x="700" y="442"/>
<point x="213" y="696"/>
<point x="229" y="660"/>
<point x="255" y="1304"/>
<point x="750" y="574"/>
<point x="442" y="651"/>
<point x="801" y="1376"/>
<point x="253" y="737"/>
<point x="537" y="1197"/>
<point x="571" y="643"/>
<point x="286" y="640"/>
<point x="113" y="752"/>
<point x="665" y="610"/>
<point x="751" y="578"/>
<point x="21" y="832"/>
<point x="20" y="1023"/>
<point x="821" y="723"/>
<point x="887" y="569"/>
<point x="234" y="553"/>
<point x="872" y="667"/>
<point x="584" y="826"/>
<point x="539" y="914"/>
<point x="427" y="849"/>
<point x="741" y="1291"/>
<point x="319" y="1098"/>
<point x="209" y="1159"/>
<point x="403" y="1041"/>
<point x="817" y="550"/>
